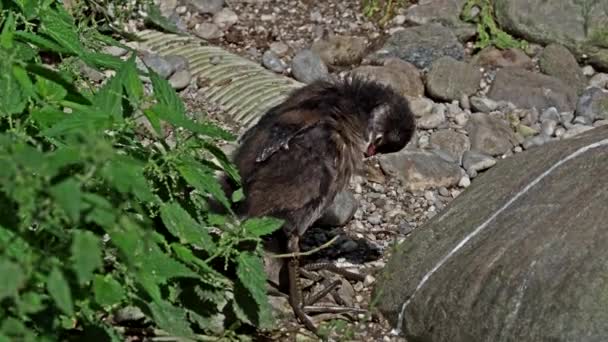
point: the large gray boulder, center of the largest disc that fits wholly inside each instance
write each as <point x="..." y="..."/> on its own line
<point x="519" y="256"/>
<point x="579" y="25"/>
<point x="420" y="45"/>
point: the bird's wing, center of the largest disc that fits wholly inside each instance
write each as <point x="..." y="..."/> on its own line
<point x="280" y="136"/>
<point x="284" y="128"/>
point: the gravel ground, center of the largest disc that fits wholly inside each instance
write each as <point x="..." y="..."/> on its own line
<point x="387" y="213"/>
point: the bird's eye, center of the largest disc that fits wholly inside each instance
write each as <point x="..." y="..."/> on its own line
<point x="378" y="139"/>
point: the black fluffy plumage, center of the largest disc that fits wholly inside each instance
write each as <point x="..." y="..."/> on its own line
<point x="301" y="153"/>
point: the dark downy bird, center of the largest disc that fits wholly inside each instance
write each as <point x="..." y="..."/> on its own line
<point x="302" y="152"/>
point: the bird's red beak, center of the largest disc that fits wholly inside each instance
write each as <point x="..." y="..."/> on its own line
<point x="371" y="150"/>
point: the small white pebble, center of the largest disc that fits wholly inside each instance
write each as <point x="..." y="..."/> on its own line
<point x="464" y="182"/>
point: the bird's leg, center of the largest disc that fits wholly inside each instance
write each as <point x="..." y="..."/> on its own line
<point x="295" y="288"/>
<point x="335" y="269"/>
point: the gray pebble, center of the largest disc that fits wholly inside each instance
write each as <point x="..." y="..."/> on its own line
<point x="272" y="62"/>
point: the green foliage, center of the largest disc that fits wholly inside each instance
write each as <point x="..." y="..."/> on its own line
<point x="98" y="213"/>
<point x="382" y="10"/>
<point x="488" y="32"/>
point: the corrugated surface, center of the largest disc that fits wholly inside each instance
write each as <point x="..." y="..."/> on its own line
<point x="244" y="89"/>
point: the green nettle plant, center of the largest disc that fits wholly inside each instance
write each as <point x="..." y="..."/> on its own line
<point x="488" y="31"/>
<point x="97" y="214"/>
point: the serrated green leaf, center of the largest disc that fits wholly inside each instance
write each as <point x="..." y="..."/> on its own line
<point x="67" y="195"/>
<point x="201" y="178"/>
<point x="30" y="302"/>
<point x="166" y="96"/>
<point x="12" y="100"/>
<point x="102" y="60"/>
<point x="24" y="80"/>
<point x="250" y="271"/>
<point x="109" y="97"/>
<point x="8" y="30"/>
<point x="79" y="122"/>
<point x="179" y="223"/>
<point x="102" y="211"/>
<point x="171" y="318"/>
<point x="238" y="195"/>
<point x="59" y="289"/>
<point x="59" y="25"/>
<point x="213" y="277"/>
<point x="108" y="290"/>
<point x="132" y="82"/>
<point x="224" y="161"/>
<point x="86" y="255"/>
<point x="127" y="176"/>
<point x="260" y="226"/>
<point x="163" y="267"/>
<point x="15" y="247"/>
<point x="154" y="121"/>
<point x="49" y="90"/>
<point x="73" y="94"/>
<point x="213" y="323"/>
<point x="40" y="41"/>
<point x="13" y="279"/>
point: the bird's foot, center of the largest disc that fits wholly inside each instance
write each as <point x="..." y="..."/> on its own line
<point x="328" y="266"/>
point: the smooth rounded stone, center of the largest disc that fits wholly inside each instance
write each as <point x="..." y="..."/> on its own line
<point x="340" y="211"/>
<point x="158" y="64"/>
<point x="128" y="314"/>
<point x="491" y="57"/>
<point x="556" y="60"/>
<point x="91" y="73"/>
<point x="566" y="118"/>
<point x="449" y="79"/>
<point x="419" y="170"/>
<point x="432" y="120"/>
<point x="453" y="143"/>
<point x="308" y="67"/>
<point x="483" y="104"/>
<point x="490" y="135"/>
<point x="208" y="31"/>
<point x="272" y="62"/>
<point x="420" y="45"/>
<point x="559" y="132"/>
<point x="279" y="48"/>
<point x="225" y="18"/>
<point x="593" y="104"/>
<point x="550" y="113"/>
<point x="464" y="182"/>
<point x="374" y="219"/>
<point x="527" y="89"/>
<point x="115" y="51"/>
<point x="547" y="127"/>
<point x="600" y="81"/>
<point x="180" y="79"/>
<point x="576" y="130"/>
<point x="461" y="119"/>
<point x="477" y="161"/>
<point x="340" y="50"/>
<point x="465" y="102"/>
<point x="177" y="62"/>
<point x="402" y="76"/>
<point x="526" y="131"/>
<point x="599" y="123"/>
<point x="578" y="26"/>
<point x="535" y="141"/>
<point x="421" y="106"/>
<point x="582" y="120"/>
<point x="533" y="278"/>
<point x="206" y="6"/>
<point x="588" y="71"/>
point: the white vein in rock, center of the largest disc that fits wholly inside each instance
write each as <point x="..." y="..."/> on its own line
<point x="481" y="227"/>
